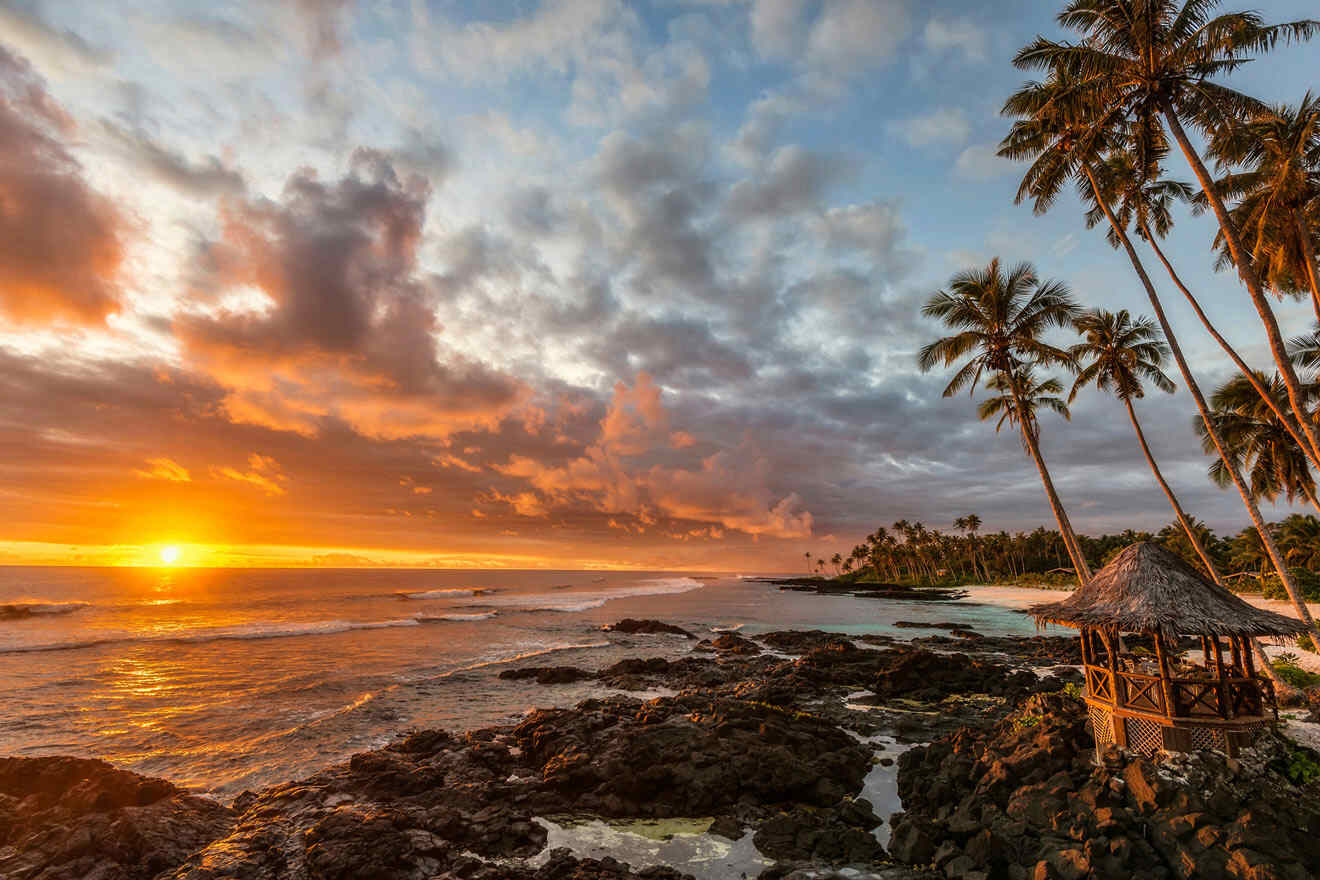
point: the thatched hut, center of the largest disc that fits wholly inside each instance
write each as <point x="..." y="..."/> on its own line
<point x="1148" y="703"/>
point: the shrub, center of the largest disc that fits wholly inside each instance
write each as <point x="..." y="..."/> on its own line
<point x="1301" y="765"/>
<point x="1288" y="669"/>
<point x="1307" y="581"/>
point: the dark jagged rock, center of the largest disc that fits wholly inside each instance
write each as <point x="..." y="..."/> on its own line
<point x="647" y="627"/>
<point x="756" y="740"/>
<point x="561" y="865"/>
<point x="71" y="818"/>
<point x="921" y="624"/>
<point x="687" y="756"/>
<point x="804" y="835"/>
<point x="927" y="676"/>
<point x="549" y="674"/>
<point x="1024" y="799"/>
<point x="1036" y="651"/>
<point x="800" y="641"/>
<point x="866" y="590"/>
<point x="729" y="643"/>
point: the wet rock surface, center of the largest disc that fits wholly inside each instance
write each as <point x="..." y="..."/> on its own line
<point x="863" y="590"/>
<point x="768" y="735"/>
<point x="647" y="627"/>
<point x="76" y="818"/>
<point x="1025" y="799"/>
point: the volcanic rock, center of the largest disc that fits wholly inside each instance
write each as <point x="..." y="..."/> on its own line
<point x="549" y="674"/>
<point x="1025" y="799"/>
<point x="72" y="818"/>
<point x="647" y="627"/>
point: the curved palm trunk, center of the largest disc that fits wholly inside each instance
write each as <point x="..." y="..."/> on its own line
<point x="1280" y="686"/>
<point x="1173" y="499"/>
<point x="1060" y="516"/>
<point x="1247" y="271"/>
<point x="1308" y="257"/>
<point x="1248" y="500"/>
<point x="1285" y="417"/>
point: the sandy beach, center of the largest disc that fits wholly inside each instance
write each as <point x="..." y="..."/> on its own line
<point x="1021" y="597"/>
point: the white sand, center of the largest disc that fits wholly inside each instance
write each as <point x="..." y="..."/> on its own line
<point x="1021" y="597"/>
<point x="1307" y="734"/>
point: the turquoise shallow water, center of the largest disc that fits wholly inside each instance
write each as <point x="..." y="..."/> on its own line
<point x="230" y="679"/>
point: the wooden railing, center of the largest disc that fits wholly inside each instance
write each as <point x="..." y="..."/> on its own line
<point x="1201" y="698"/>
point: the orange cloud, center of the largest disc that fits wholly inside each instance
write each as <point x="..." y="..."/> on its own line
<point x="350" y="334"/>
<point x="264" y="474"/>
<point x="165" y="469"/>
<point x="60" y="245"/>
<point x="729" y="489"/>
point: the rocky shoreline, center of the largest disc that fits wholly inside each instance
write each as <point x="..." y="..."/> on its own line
<point x="772" y="739"/>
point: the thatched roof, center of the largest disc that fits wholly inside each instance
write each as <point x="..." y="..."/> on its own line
<point x="1147" y="587"/>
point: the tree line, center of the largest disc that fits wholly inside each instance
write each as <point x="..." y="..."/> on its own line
<point x="908" y="552"/>
<point x="1112" y="106"/>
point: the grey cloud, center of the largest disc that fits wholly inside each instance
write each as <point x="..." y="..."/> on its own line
<point x="206" y="177"/>
<point x="26" y="27"/>
<point x="60" y="240"/>
<point x="793" y="180"/>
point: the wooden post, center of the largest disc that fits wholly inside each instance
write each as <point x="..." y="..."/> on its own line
<point x="1111" y="661"/>
<point x="1235" y="645"/>
<point x="1166" y="687"/>
<point x="1205" y="651"/>
<point x="1246" y="654"/>
<point x="1221" y="686"/>
<point x="1086" y="649"/>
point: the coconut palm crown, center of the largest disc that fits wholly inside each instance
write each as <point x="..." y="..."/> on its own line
<point x="1119" y="354"/>
<point x="1000" y="318"/>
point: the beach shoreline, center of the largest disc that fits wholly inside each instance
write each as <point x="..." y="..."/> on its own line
<point x="772" y="754"/>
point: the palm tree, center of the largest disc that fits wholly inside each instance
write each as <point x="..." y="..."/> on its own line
<point x="1118" y="355"/>
<point x="1278" y="194"/>
<point x="1152" y="63"/>
<point x="970" y="524"/>
<point x="1259" y="445"/>
<point x="1177" y="538"/>
<point x="1300" y="537"/>
<point x="1059" y="127"/>
<point x="1000" y="319"/>
<point x="1134" y="197"/>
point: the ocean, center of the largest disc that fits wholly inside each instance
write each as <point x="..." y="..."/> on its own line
<point x="223" y="680"/>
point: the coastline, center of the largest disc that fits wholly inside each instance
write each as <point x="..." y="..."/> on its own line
<point x="777" y="756"/>
<point x="1022" y="597"/>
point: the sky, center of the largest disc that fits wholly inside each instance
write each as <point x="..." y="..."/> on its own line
<point x="565" y="283"/>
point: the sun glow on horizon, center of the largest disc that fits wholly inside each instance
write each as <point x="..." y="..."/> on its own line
<point x="169" y="554"/>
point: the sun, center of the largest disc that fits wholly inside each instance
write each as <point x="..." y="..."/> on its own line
<point x="169" y="554"/>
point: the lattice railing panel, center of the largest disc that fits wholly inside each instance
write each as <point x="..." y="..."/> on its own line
<point x="1143" y="736"/>
<point x="1102" y="727"/>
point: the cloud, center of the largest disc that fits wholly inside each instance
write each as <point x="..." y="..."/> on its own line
<point x="60" y="241"/>
<point x="207" y="177"/>
<point x="794" y="180"/>
<point x="852" y="35"/>
<point x="263" y="473"/>
<point x="959" y="35"/>
<point x="777" y="27"/>
<point x="165" y="469"/>
<point x="943" y="125"/>
<point x="981" y="162"/>
<point x="51" y="47"/>
<point x="351" y="332"/>
<point x="323" y="19"/>
<point x="727" y="488"/>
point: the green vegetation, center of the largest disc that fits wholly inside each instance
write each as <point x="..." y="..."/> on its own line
<point x="1301" y="765"/>
<point x="1287" y="667"/>
<point x="909" y="553"/>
